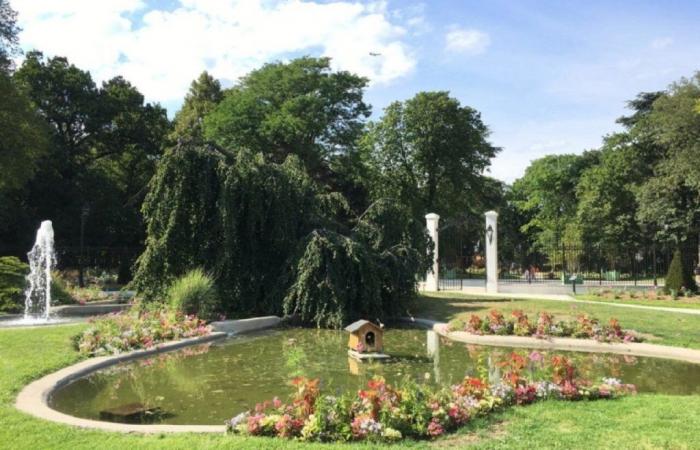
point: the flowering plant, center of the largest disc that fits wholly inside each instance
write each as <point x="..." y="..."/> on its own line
<point x="135" y="329"/>
<point x="382" y="412"/>
<point x="582" y="327"/>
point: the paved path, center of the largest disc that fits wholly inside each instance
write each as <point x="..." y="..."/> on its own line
<point x="567" y="298"/>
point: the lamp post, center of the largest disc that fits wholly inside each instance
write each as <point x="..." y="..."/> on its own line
<point x="83" y="217"/>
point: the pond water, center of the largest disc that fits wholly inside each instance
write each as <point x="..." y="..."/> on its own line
<point x="211" y="383"/>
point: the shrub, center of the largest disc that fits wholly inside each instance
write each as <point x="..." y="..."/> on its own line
<point x="678" y="277"/>
<point x="194" y="294"/>
<point x="12" y="284"/>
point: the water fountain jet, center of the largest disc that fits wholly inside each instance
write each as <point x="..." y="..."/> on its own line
<point x="42" y="260"/>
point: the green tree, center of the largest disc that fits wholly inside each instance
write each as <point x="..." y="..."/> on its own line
<point x="103" y="146"/>
<point x="670" y="200"/>
<point x="9" y="31"/>
<point x="23" y="136"/>
<point x="268" y="236"/>
<point x="429" y="152"/>
<point x="204" y="95"/>
<point x="301" y="107"/>
<point x="546" y="196"/>
<point x="606" y="193"/>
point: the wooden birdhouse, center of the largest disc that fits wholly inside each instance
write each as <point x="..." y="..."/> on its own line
<point x="366" y="340"/>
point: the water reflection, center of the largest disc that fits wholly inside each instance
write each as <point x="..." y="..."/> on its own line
<point x="209" y="383"/>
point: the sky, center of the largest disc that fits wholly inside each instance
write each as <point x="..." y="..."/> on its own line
<point x="547" y="76"/>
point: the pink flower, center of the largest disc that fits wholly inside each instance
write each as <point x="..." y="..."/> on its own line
<point x="536" y="356"/>
<point x="435" y="429"/>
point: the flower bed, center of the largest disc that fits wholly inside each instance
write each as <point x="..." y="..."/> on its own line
<point x="519" y="324"/>
<point x="136" y="329"/>
<point x="386" y="413"/>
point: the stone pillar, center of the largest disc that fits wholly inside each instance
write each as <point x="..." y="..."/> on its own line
<point x="491" y="244"/>
<point x="431" y="278"/>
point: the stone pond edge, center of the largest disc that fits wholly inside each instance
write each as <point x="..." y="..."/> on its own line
<point x="33" y="398"/>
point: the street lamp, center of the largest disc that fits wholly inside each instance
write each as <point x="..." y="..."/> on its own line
<point x="489" y="234"/>
<point x="83" y="217"/>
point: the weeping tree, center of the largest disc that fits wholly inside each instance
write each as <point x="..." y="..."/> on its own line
<point x="181" y="216"/>
<point x="370" y="273"/>
<point x="264" y="209"/>
<point x="273" y="242"/>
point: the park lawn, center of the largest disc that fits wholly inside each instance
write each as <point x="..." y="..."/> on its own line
<point x="682" y="302"/>
<point x="667" y="328"/>
<point x="644" y="421"/>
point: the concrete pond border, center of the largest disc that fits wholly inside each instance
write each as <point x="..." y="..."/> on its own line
<point x="34" y="398"/>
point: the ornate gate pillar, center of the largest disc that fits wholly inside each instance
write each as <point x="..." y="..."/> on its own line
<point x="491" y="251"/>
<point x="431" y="278"/>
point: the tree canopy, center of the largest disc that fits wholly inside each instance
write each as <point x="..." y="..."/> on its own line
<point x="262" y="230"/>
<point x="430" y="152"/>
<point x="301" y="108"/>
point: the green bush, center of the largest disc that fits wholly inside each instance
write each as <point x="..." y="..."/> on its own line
<point x="12" y="284"/>
<point x="194" y="293"/>
<point x="679" y="278"/>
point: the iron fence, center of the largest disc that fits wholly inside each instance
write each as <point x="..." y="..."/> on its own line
<point x="591" y="265"/>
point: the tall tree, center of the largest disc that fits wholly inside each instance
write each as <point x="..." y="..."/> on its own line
<point x="546" y="196"/>
<point x="430" y="152"/>
<point x="22" y="136"/>
<point x="103" y="146"/>
<point x="204" y="95"/>
<point x="9" y="31"/>
<point x="670" y="200"/>
<point x="301" y="107"/>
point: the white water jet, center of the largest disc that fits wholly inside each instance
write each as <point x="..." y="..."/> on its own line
<point x="42" y="260"/>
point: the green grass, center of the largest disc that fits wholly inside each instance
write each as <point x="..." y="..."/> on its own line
<point x="644" y="421"/>
<point x="682" y="330"/>
<point x="682" y="302"/>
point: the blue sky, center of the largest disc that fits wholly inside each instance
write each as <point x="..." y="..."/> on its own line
<point x="547" y="76"/>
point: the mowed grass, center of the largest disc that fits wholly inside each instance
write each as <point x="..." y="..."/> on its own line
<point x="668" y="328"/>
<point x="681" y="302"/>
<point x="644" y="421"/>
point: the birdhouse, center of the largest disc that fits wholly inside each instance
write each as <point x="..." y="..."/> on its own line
<point x="365" y="337"/>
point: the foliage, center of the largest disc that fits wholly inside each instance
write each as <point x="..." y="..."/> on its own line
<point x="272" y="242"/>
<point x="429" y="153"/>
<point x="12" y="284"/>
<point x="670" y="200"/>
<point x="546" y="195"/>
<point x="300" y="107"/>
<point x="382" y="412"/>
<point x="23" y="137"/>
<point x="181" y="217"/>
<point x="194" y="294"/>
<point x="519" y="324"/>
<point x="137" y="328"/>
<point x="9" y="31"/>
<point x="606" y="194"/>
<point x="371" y="273"/>
<point x="204" y="94"/>
<point x="679" y="277"/>
<point x="102" y="147"/>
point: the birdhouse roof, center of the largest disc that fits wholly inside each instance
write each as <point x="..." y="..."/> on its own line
<point x="355" y="326"/>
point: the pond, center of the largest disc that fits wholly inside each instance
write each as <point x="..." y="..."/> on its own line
<point x="210" y="383"/>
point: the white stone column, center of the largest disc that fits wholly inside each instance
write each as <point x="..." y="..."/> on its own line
<point x="431" y="278"/>
<point x="491" y="244"/>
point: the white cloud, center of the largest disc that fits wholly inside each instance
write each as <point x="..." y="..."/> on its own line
<point x="471" y="42"/>
<point x="169" y="48"/>
<point x="661" y="43"/>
